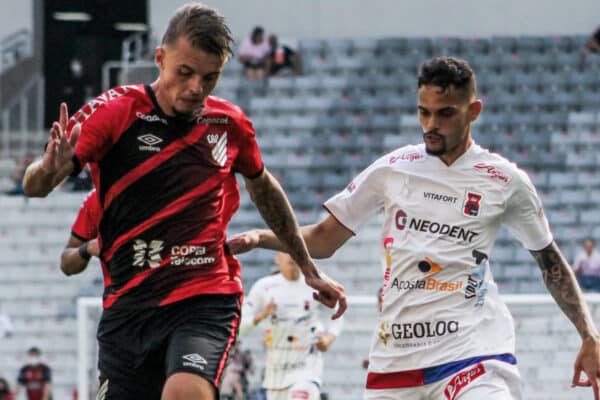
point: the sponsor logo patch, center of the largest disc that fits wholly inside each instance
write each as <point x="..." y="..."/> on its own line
<point x="194" y="360"/>
<point x="461" y="380"/>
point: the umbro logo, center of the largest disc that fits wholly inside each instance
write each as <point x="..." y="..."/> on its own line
<point x="150" y="141"/>
<point x="194" y="360"/>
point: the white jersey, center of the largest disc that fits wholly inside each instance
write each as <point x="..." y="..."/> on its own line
<point x="441" y="303"/>
<point x="290" y="334"/>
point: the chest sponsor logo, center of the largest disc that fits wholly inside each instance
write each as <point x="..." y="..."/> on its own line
<point x="427" y="267"/>
<point x="461" y="380"/>
<point x="194" y="360"/>
<point x="472" y="204"/>
<point x="433" y="227"/>
<point x="213" y="120"/>
<point x="219" y="150"/>
<point x="190" y="255"/>
<point x="151" y="118"/>
<point x="147" y="253"/>
<point x="494" y="173"/>
<point x="442" y="198"/>
<point x="420" y="333"/>
<point x="150" y="142"/>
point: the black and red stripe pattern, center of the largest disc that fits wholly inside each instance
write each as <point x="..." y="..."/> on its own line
<point x="167" y="192"/>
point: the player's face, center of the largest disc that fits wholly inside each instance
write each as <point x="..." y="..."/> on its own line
<point x="446" y="116"/>
<point x="187" y="76"/>
<point x="288" y="268"/>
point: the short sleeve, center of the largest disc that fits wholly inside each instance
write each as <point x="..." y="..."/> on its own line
<point x="22" y="377"/>
<point x="525" y="216"/>
<point x="362" y="198"/>
<point x="85" y="226"/>
<point x="249" y="160"/>
<point x="47" y="374"/>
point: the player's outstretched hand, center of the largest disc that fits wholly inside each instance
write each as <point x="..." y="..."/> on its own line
<point x="328" y="292"/>
<point x="243" y="242"/>
<point x="588" y="361"/>
<point x="60" y="149"/>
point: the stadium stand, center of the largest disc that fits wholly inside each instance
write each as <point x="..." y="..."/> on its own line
<point x="355" y="102"/>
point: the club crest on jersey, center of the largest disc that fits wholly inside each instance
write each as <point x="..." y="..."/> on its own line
<point x="219" y="151"/>
<point x="472" y="204"/>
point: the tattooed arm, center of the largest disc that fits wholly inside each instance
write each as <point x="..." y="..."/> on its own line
<point x="562" y="285"/>
<point x="277" y="212"/>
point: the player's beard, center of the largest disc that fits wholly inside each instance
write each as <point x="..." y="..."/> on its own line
<point x="436" y="152"/>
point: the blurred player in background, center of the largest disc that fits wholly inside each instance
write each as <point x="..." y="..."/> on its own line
<point x="83" y="242"/>
<point x="161" y="156"/>
<point x="35" y="377"/>
<point x="443" y="331"/>
<point x="294" y="335"/>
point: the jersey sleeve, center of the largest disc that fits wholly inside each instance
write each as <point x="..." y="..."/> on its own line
<point x="525" y="216"/>
<point x="254" y="303"/>
<point x="249" y="160"/>
<point x="47" y="376"/>
<point x="22" y="377"/>
<point x="362" y="198"/>
<point x="85" y="226"/>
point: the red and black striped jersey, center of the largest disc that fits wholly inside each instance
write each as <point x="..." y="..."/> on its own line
<point x="167" y="193"/>
<point x="85" y="227"/>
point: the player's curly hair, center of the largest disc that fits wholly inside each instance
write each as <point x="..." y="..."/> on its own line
<point x="448" y="71"/>
<point x="204" y="27"/>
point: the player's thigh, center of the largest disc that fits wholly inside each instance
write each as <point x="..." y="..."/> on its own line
<point x="490" y="380"/>
<point x="416" y="393"/>
<point x="305" y="390"/>
<point x="186" y="386"/>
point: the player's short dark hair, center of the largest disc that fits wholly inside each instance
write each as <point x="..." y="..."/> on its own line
<point x="448" y="71"/>
<point x="35" y="350"/>
<point x="204" y="27"/>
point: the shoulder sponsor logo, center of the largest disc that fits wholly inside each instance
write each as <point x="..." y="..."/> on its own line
<point x="147" y="253"/>
<point x="151" y="118"/>
<point x="442" y="198"/>
<point x="462" y="379"/>
<point x="410" y="157"/>
<point x="90" y="108"/>
<point x="433" y="227"/>
<point x="213" y="120"/>
<point x="494" y="172"/>
<point x="150" y="141"/>
<point x="472" y="204"/>
<point x="194" y="360"/>
<point x="190" y="255"/>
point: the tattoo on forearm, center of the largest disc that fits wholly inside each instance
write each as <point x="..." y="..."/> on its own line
<point x="562" y="285"/>
<point x="279" y="216"/>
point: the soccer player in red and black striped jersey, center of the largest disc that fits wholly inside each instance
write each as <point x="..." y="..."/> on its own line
<point x="161" y="156"/>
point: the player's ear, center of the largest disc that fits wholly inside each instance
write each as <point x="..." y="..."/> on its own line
<point x="159" y="57"/>
<point x="475" y="109"/>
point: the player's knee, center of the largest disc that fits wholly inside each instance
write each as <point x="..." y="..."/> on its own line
<point x="186" y="386"/>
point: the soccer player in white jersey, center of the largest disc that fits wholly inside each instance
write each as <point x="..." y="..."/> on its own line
<point x="443" y="332"/>
<point x="294" y="335"/>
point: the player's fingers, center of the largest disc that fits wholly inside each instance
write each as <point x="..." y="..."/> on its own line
<point x="323" y="299"/>
<point x="75" y="132"/>
<point x="59" y="131"/>
<point x="594" y="383"/>
<point x="576" y="376"/>
<point x="343" y="305"/>
<point x="64" y="115"/>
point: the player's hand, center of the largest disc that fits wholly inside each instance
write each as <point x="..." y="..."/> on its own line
<point x="324" y="341"/>
<point x="243" y="242"/>
<point x="588" y="361"/>
<point x="329" y="293"/>
<point x="93" y="248"/>
<point x="60" y="149"/>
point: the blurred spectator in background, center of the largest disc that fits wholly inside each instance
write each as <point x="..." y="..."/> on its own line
<point x="593" y="43"/>
<point x="254" y="54"/>
<point x="235" y="377"/>
<point x="6" y="326"/>
<point x="82" y="182"/>
<point x="587" y="266"/>
<point x="5" y="393"/>
<point x="17" y="176"/>
<point x="35" y="377"/>
<point x="283" y="61"/>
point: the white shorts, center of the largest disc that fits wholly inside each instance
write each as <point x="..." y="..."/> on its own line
<point x="306" y="390"/>
<point x="489" y="380"/>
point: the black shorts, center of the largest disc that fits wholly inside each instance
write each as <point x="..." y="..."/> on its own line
<point x="138" y="351"/>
